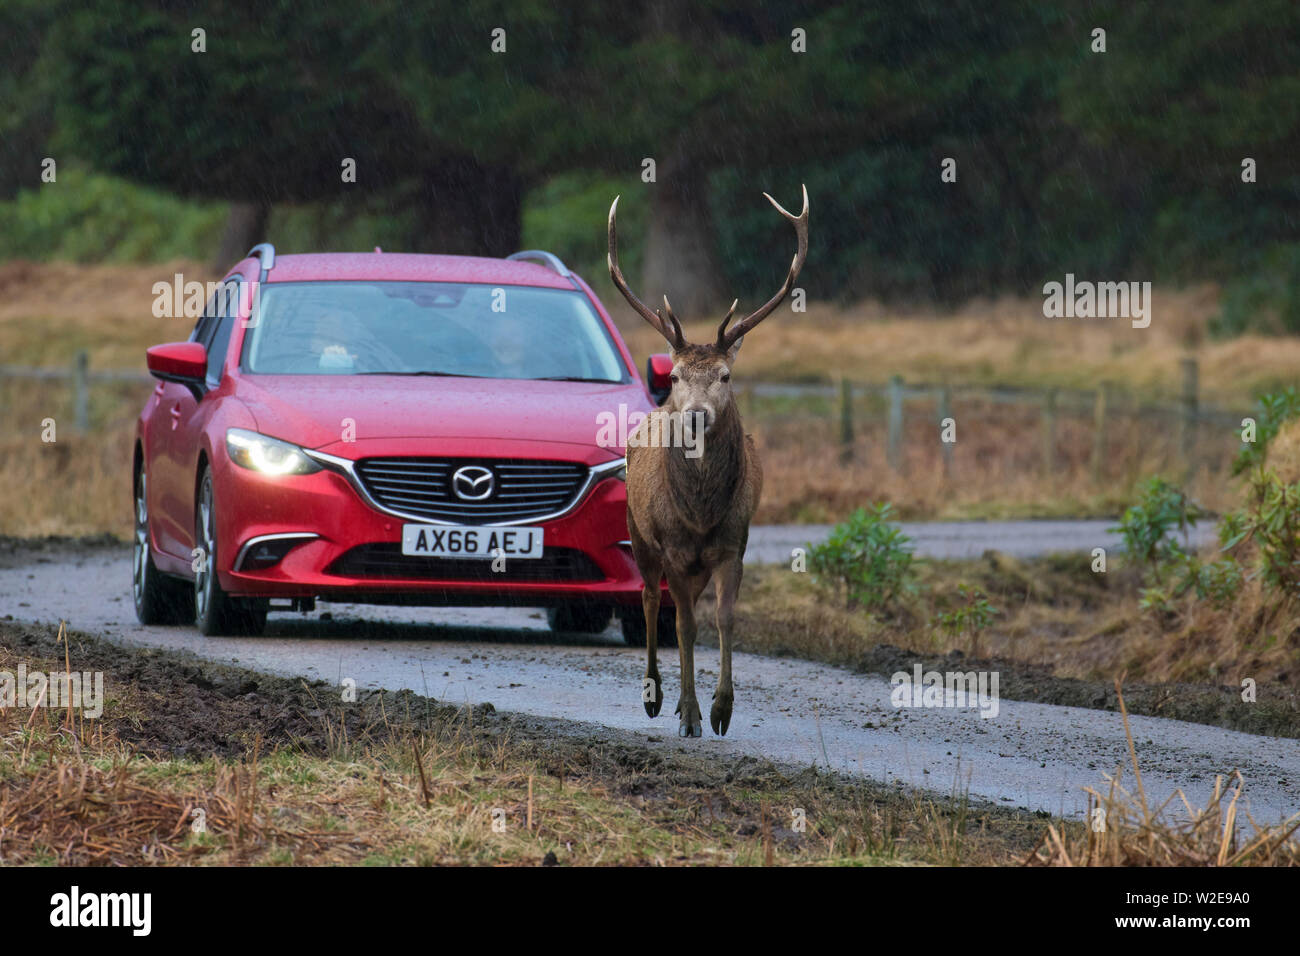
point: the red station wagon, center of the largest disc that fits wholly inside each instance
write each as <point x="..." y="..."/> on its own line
<point x="381" y="428"/>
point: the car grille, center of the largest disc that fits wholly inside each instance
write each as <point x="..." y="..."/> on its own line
<point x="386" y="560"/>
<point x="522" y="489"/>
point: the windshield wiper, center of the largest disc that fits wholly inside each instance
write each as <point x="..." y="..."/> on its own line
<point x="575" y="378"/>
<point x="435" y="374"/>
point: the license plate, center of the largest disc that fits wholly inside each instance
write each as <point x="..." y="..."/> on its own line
<point x="445" y="541"/>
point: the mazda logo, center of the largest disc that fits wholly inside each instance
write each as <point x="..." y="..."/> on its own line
<point x="472" y="483"/>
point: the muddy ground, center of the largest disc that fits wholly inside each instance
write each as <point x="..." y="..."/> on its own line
<point x="172" y="704"/>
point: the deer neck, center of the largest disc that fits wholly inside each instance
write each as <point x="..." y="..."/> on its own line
<point x="704" y="486"/>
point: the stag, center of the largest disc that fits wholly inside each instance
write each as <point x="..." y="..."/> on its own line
<point x="688" y="514"/>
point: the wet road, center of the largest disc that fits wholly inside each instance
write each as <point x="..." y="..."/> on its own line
<point x="1029" y="755"/>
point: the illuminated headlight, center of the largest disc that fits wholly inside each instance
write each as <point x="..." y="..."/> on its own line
<point x="270" y="456"/>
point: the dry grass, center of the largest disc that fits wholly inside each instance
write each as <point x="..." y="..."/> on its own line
<point x="1005" y="341"/>
<point x="78" y="484"/>
<point x="996" y="470"/>
<point x="50" y="311"/>
<point x="1133" y="833"/>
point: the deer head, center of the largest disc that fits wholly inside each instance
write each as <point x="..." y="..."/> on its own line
<point x="701" y="377"/>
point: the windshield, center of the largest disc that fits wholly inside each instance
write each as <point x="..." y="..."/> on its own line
<point x="431" y="328"/>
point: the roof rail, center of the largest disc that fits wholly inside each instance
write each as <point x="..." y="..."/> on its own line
<point x="265" y="252"/>
<point x="548" y="258"/>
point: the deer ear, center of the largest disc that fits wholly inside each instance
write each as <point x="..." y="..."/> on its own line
<point x="735" y="347"/>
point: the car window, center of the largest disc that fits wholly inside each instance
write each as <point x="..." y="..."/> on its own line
<point x="221" y="326"/>
<point x="211" y="311"/>
<point x="407" y="328"/>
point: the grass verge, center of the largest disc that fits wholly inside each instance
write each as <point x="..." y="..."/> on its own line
<point x="1061" y="635"/>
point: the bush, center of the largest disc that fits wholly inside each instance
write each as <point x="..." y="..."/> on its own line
<point x="1146" y="527"/>
<point x="92" y="217"/>
<point x="1275" y="409"/>
<point x="970" y="618"/>
<point x="868" y="556"/>
<point x="1272" y="521"/>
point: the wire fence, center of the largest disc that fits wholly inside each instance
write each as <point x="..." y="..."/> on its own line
<point x="1103" y="404"/>
<point x="80" y="378"/>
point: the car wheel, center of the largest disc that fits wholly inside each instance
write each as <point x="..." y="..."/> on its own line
<point x="159" y="598"/>
<point x="634" y="627"/>
<point x="578" y="618"/>
<point x="215" y="611"/>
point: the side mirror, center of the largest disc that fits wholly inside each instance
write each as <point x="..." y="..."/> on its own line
<point x="658" y="372"/>
<point x="185" y="363"/>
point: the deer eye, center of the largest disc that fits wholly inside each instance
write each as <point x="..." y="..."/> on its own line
<point x="726" y="377"/>
<point x="673" y="379"/>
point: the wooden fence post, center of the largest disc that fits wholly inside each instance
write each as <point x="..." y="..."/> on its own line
<point x="945" y="411"/>
<point x="81" y="390"/>
<point x="846" y="420"/>
<point x="1187" y="426"/>
<point x="1049" y="431"/>
<point x="1099" y="432"/>
<point x="895" y="447"/>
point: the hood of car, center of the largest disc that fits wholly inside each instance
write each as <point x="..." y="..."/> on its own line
<point x="317" y="411"/>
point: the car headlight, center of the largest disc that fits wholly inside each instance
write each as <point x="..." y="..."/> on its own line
<point x="270" y="456"/>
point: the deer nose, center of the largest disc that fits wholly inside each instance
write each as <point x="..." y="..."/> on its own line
<point x="692" y="415"/>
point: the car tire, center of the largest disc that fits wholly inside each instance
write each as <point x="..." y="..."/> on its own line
<point x="634" y="627"/>
<point x="158" y="598"/>
<point x="577" y="618"/>
<point x="215" y="612"/>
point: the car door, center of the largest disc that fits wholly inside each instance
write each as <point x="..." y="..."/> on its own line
<point x="177" y="426"/>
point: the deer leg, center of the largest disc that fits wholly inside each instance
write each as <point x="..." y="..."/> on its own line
<point x="652" y="572"/>
<point x="688" y="708"/>
<point x="726" y="587"/>
<point x="652" y="687"/>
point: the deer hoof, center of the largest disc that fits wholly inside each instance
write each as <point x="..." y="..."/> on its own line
<point x="720" y="717"/>
<point x="653" y="702"/>
<point x="690" y="717"/>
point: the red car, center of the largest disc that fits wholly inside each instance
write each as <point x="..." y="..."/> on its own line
<point x="390" y="429"/>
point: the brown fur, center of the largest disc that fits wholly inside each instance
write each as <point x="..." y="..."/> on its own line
<point x="688" y="514"/>
<point x="688" y="518"/>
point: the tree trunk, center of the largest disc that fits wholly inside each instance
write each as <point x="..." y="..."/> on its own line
<point x="245" y="228"/>
<point x="470" y="210"/>
<point x="679" y="257"/>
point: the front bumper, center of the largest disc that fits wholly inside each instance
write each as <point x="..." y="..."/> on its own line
<point x="353" y="552"/>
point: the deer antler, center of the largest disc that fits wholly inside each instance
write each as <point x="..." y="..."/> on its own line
<point x="726" y="339"/>
<point x="672" y="333"/>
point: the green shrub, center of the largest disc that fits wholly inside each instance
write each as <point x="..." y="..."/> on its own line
<point x="1216" y="582"/>
<point x="867" y="555"/>
<point x="1147" y="526"/>
<point x="1271" y="519"/>
<point x="91" y="217"/>
<point x="1275" y="408"/>
<point x="970" y="618"/>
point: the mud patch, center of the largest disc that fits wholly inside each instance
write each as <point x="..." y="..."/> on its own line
<point x="18" y="552"/>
